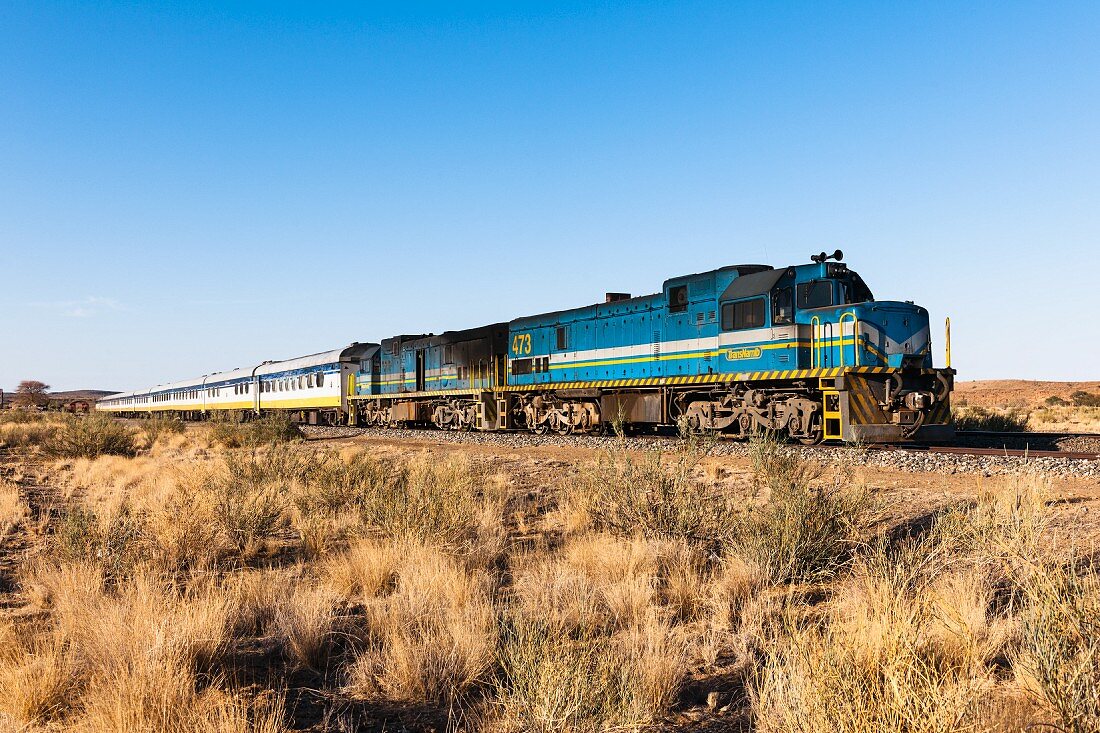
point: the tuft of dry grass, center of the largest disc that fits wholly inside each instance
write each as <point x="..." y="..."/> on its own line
<point x="35" y="684"/>
<point x="550" y="681"/>
<point x="12" y="508"/>
<point x="303" y="621"/>
<point x="28" y="434"/>
<point x="430" y="626"/>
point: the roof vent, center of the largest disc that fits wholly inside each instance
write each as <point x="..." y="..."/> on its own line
<point x="615" y="297"/>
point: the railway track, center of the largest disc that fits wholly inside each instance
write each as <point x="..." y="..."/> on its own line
<point x="1006" y="452"/>
<point x="1005" y="445"/>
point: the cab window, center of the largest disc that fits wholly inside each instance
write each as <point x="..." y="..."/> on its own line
<point x="782" y="307"/>
<point x="743" y="314"/>
<point x="815" y="294"/>
<point x="857" y="291"/>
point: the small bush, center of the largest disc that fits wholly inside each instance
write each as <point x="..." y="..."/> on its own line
<point x="1082" y="398"/>
<point x="1061" y="645"/>
<point x="158" y="426"/>
<point x="233" y="432"/>
<point x="554" y="682"/>
<point x="805" y="531"/>
<point x="92" y="436"/>
<point x="1011" y="420"/>
<point x="1055" y="401"/>
<point x="443" y="502"/>
<point x="26" y="434"/>
<point x="251" y="496"/>
<point x="655" y="498"/>
<point x="114" y="543"/>
<point x="334" y="485"/>
<point x="22" y="417"/>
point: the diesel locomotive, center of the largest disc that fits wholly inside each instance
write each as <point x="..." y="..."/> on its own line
<point x="804" y="351"/>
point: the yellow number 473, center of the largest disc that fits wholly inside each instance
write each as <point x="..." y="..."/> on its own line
<point x="521" y="343"/>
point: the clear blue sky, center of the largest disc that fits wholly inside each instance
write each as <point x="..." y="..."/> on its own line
<point x="193" y="187"/>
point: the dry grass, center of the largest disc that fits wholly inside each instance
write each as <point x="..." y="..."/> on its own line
<point x="12" y="508"/>
<point x="26" y="434"/>
<point x="425" y="584"/>
<point x="1069" y="419"/>
<point x="430" y="631"/>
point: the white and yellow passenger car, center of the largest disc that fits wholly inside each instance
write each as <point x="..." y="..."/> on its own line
<point x="312" y="388"/>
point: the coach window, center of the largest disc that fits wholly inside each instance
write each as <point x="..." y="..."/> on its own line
<point x="815" y="294"/>
<point x="782" y="307"/>
<point x="562" y="338"/>
<point x="743" y="314"/>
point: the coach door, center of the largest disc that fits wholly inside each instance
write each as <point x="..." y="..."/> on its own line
<point x="420" y="370"/>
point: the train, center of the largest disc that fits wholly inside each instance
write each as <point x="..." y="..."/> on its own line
<point x="804" y="351"/>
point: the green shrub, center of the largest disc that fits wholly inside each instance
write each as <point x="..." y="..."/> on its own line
<point x="1082" y="398"/>
<point x="1055" y="401"/>
<point x="1061" y="645"/>
<point x="114" y="543"/>
<point x="1011" y="420"/>
<point x="230" y="430"/>
<point x="808" y="528"/>
<point x="158" y="426"/>
<point x="92" y="436"/>
<point x="656" y="498"/>
<point x="251" y="495"/>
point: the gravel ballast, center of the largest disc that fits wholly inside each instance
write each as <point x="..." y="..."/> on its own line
<point x="890" y="458"/>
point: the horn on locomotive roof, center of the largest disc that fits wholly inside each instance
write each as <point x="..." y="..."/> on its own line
<point x="838" y="256"/>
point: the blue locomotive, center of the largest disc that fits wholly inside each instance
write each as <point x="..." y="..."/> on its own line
<point x="805" y="351"/>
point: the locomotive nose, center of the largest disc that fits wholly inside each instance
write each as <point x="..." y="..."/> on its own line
<point x="899" y="333"/>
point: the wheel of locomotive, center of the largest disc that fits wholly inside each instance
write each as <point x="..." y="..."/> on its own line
<point x="795" y="430"/>
<point x="816" y="434"/>
<point x="562" y="427"/>
<point x="540" y="428"/>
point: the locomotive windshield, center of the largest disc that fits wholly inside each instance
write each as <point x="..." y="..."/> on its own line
<point x="826" y="292"/>
<point x="855" y="290"/>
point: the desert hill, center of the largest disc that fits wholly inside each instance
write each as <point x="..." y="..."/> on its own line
<point x="1017" y="392"/>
